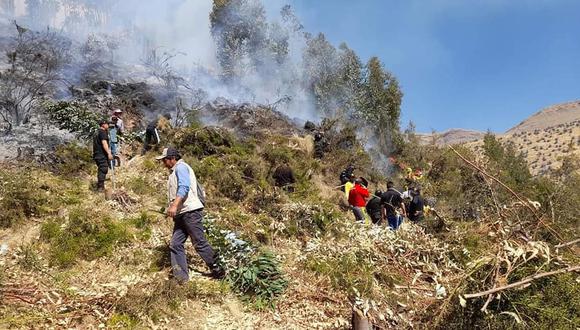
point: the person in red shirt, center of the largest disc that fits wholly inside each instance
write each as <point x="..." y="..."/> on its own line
<point x="357" y="198"/>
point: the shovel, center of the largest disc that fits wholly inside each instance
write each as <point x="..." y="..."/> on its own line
<point x="113" y="173"/>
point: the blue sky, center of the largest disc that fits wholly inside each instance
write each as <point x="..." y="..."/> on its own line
<point x="475" y="64"/>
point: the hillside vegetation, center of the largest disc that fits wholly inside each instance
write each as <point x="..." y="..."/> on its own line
<point x="498" y="251"/>
<point x="294" y="260"/>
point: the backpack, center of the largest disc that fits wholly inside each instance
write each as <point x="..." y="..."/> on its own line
<point x="201" y="193"/>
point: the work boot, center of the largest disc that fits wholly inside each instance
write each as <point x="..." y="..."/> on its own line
<point x="217" y="272"/>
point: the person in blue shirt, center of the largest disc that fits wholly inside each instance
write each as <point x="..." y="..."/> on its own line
<point x="186" y="208"/>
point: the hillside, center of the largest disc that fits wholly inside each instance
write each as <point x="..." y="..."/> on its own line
<point x="555" y="116"/>
<point x="75" y="258"/>
<point x="544" y="139"/>
<point x="451" y="137"/>
<point x="490" y="247"/>
<point x="547" y="137"/>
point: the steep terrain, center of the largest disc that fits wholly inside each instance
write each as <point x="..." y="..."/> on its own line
<point x="75" y="258"/>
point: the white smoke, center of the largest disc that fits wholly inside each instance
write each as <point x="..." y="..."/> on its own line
<point x="181" y="28"/>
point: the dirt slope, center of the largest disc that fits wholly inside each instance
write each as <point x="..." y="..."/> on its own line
<point x="558" y="115"/>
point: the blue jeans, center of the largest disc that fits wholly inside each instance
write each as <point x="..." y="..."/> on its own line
<point x="395" y="221"/>
<point x="189" y="224"/>
<point x="114" y="148"/>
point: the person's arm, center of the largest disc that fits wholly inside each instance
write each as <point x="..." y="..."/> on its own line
<point x="183" y="186"/>
<point x="383" y="212"/>
<point x="404" y="212"/>
<point x="121" y="127"/>
<point x="107" y="149"/>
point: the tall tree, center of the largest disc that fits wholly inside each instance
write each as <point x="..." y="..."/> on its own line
<point x="320" y="60"/>
<point x="239" y="28"/>
<point x="350" y="77"/>
<point x="381" y="105"/>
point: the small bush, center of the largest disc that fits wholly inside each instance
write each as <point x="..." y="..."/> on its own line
<point x="256" y="275"/>
<point x="161" y="298"/>
<point x="204" y="141"/>
<point x="260" y="279"/>
<point x="71" y="159"/>
<point x="141" y="186"/>
<point x="73" y="116"/>
<point x="86" y="235"/>
<point x="20" y="197"/>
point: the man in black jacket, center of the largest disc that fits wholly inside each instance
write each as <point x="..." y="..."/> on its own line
<point x="392" y="201"/>
<point x="374" y="208"/>
<point x="102" y="153"/>
<point x="416" y="206"/>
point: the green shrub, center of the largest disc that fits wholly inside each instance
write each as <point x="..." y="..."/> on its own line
<point x="256" y="275"/>
<point x="278" y="154"/>
<point x="204" y="141"/>
<point x="349" y="272"/>
<point x="122" y="321"/>
<point x="307" y="220"/>
<point x="74" y="117"/>
<point x="548" y="303"/>
<point x="30" y="259"/>
<point x="143" y="223"/>
<point x="20" y="197"/>
<point x="261" y="279"/>
<point x="86" y="235"/>
<point x="71" y="159"/>
<point x="161" y="298"/>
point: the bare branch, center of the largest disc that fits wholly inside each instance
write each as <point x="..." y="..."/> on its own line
<point x="567" y="244"/>
<point x="522" y="282"/>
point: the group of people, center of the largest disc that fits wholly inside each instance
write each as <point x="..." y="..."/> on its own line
<point x="381" y="208"/>
<point x="186" y="200"/>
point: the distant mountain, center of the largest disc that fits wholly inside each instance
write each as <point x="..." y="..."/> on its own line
<point x="452" y="136"/>
<point x="558" y="115"/>
<point x="546" y="137"/>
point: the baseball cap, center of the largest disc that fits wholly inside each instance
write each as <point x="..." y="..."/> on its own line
<point x="168" y="152"/>
<point x="118" y="111"/>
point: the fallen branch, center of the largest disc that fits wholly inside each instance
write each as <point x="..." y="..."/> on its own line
<point x="567" y="244"/>
<point x="525" y="203"/>
<point x="522" y="282"/>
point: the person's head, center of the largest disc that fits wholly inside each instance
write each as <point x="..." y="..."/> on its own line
<point x="104" y="124"/>
<point x="378" y="193"/>
<point x="390" y="185"/>
<point x="352" y="178"/>
<point x="363" y="182"/>
<point x="169" y="157"/>
<point x="117" y="112"/>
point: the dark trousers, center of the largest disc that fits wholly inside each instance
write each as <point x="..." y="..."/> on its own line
<point x="189" y="224"/>
<point x="151" y="137"/>
<point x="102" y="170"/>
<point x="376" y="218"/>
<point x="358" y="213"/>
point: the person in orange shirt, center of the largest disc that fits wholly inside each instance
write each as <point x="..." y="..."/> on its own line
<point x="357" y="198"/>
